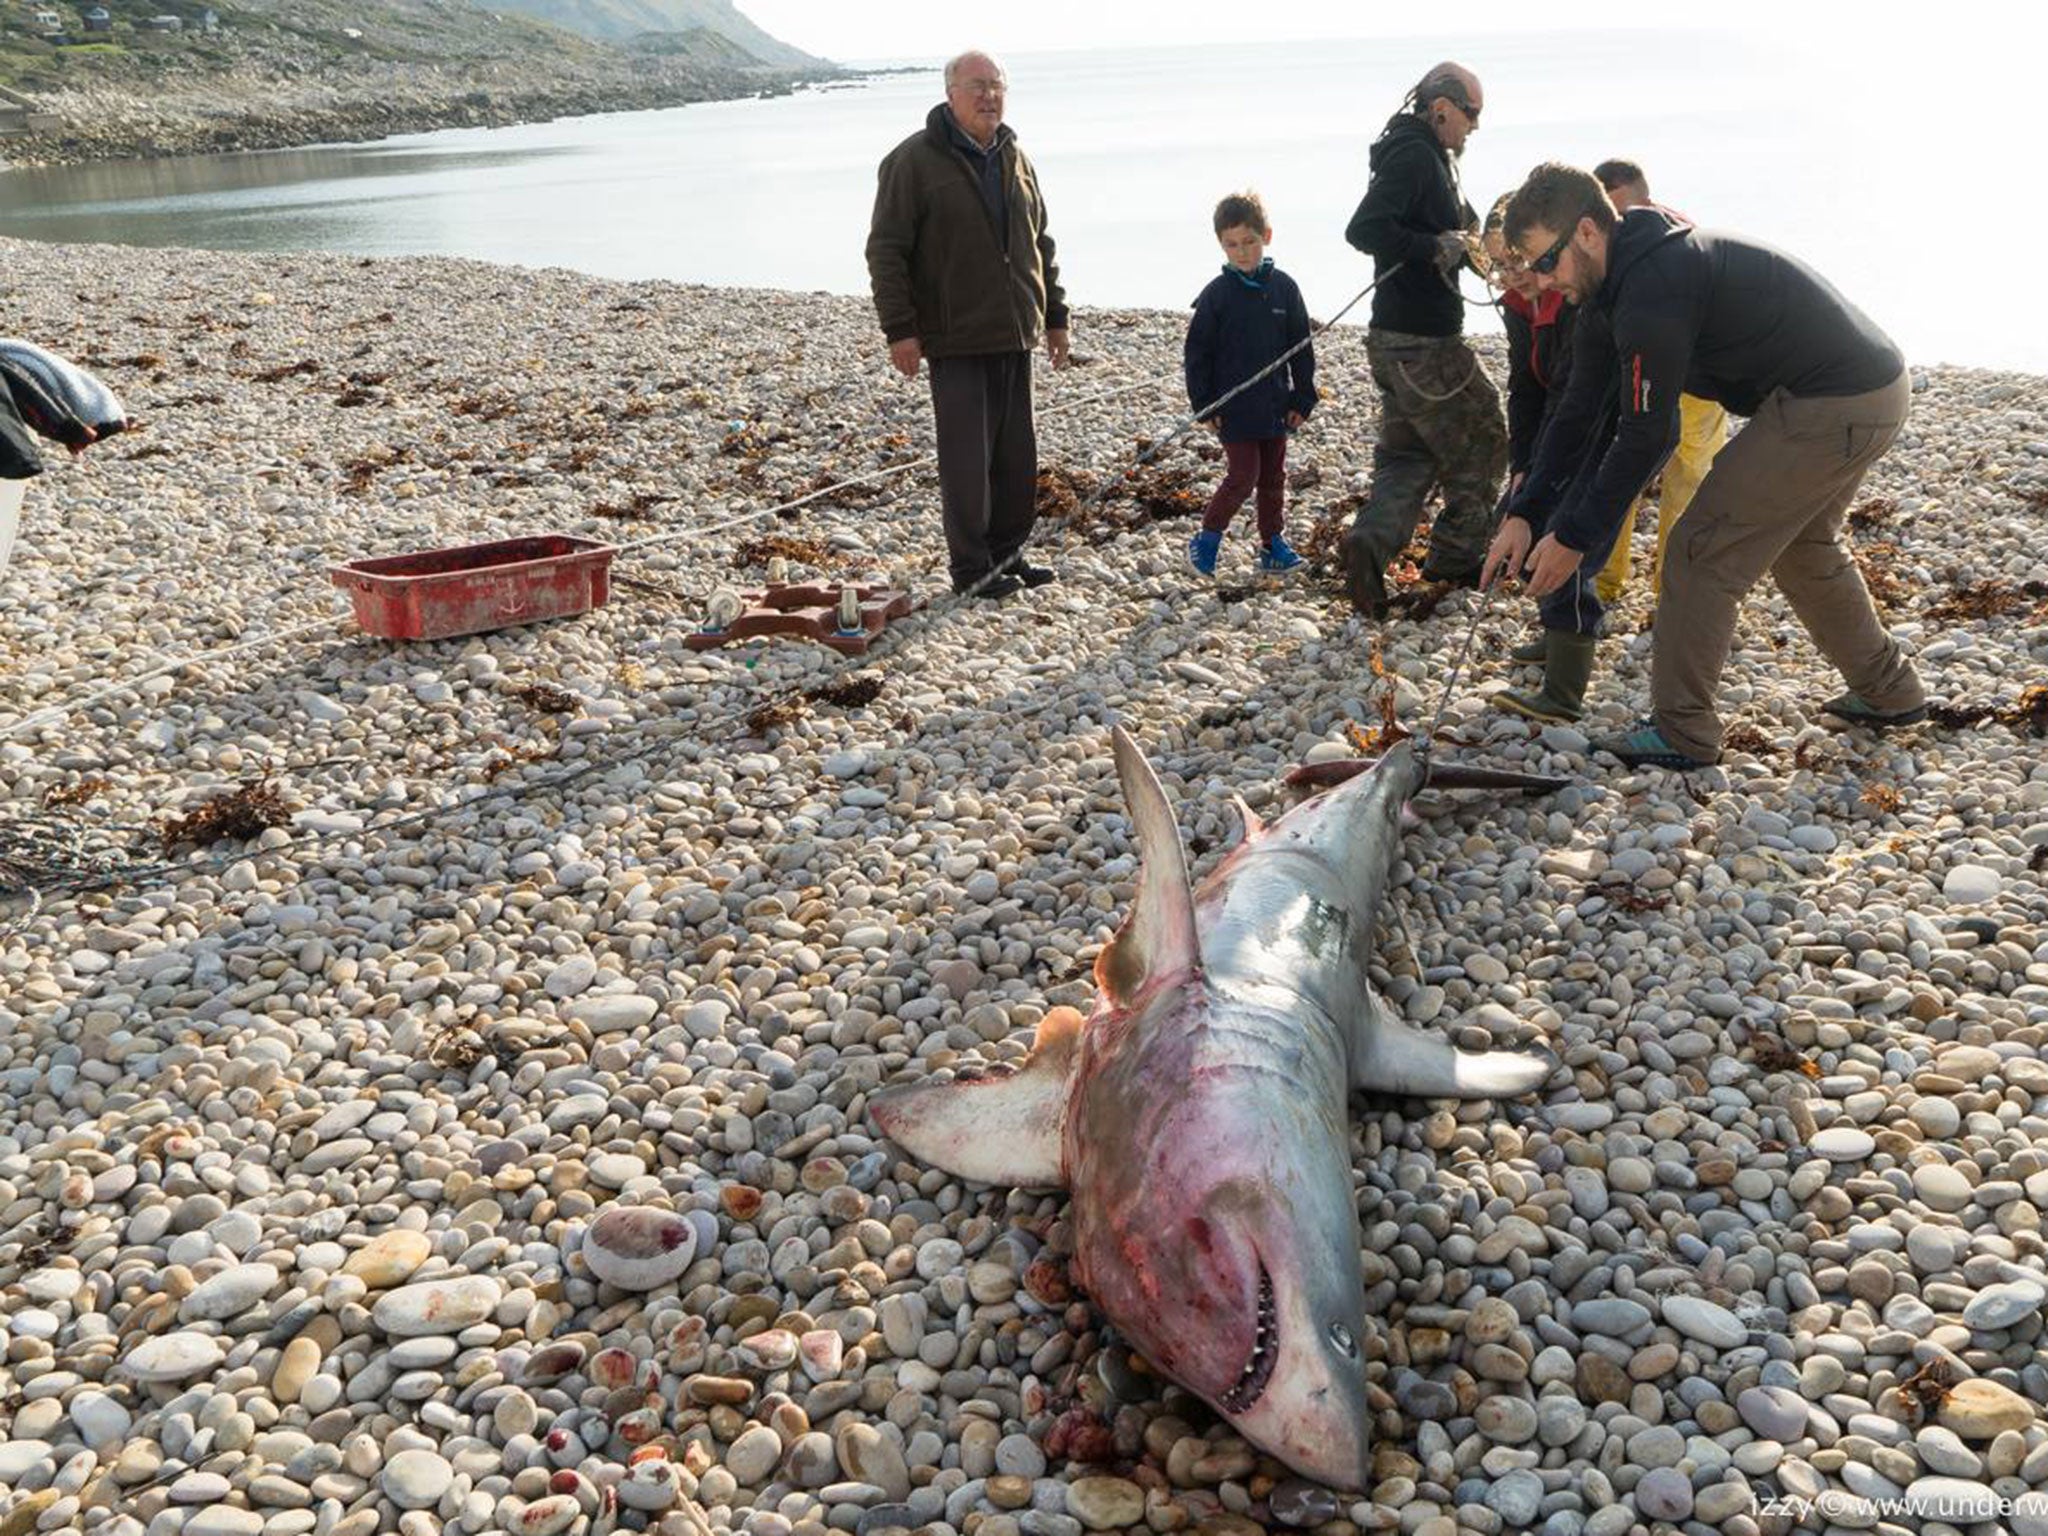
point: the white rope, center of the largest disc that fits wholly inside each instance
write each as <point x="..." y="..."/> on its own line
<point x="51" y="714"/>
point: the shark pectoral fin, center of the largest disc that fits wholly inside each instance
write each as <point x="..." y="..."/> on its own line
<point x="1158" y="938"/>
<point x="1390" y="1056"/>
<point x="1000" y="1130"/>
<point x="1254" y="824"/>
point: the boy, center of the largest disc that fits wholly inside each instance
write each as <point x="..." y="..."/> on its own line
<point x="1248" y="316"/>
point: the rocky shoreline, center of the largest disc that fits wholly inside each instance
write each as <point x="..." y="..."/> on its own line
<point x="254" y="109"/>
<point x="436" y="1162"/>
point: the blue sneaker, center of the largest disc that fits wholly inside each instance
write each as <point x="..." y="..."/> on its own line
<point x="1278" y="555"/>
<point x="1202" y="549"/>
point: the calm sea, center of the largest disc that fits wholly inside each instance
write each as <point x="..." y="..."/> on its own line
<point x="1928" y="220"/>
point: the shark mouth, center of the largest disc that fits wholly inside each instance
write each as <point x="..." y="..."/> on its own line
<point x="1258" y="1370"/>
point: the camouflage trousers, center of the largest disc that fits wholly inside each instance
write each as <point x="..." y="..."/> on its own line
<point x="1440" y="426"/>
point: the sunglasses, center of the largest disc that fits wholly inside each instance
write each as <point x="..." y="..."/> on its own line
<point x="1471" y="112"/>
<point x="1547" y="262"/>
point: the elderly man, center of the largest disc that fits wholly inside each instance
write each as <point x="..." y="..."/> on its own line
<point x="1666" y="308"/>
<point x="964" y="279"/>
<point x="1440" y="416"/>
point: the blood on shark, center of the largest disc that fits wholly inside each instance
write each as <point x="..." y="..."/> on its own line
<point x="1199" y="1116"/>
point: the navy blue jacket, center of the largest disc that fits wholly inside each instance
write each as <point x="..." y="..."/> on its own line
<point x="1237" y="330"/>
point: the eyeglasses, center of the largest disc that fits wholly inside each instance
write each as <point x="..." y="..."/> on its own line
<point x="984" y="87"/>
<point x="1547" y="262"/>
<point x="1469" y="111"/>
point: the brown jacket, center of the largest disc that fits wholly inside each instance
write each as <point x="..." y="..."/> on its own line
<point x="936" y="261"/>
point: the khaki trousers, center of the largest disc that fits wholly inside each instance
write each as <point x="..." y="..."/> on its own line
<point x="1774" y="502"/>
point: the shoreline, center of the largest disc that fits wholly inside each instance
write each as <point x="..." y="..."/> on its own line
<point x="411" y="1037"/>
<point x="104" y="125"/>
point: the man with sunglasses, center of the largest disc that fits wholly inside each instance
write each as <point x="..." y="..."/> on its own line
<point x="1440" y="415"/>
<point x="964" y="278"/>
<point x="1665" y="307"/>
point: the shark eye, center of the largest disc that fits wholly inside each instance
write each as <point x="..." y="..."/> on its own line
<point x="1341" y="1337"/>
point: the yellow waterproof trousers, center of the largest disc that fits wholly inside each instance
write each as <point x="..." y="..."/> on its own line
<point x="1702" y="429"/>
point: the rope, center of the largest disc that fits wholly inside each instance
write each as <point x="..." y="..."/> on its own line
<point x="1457" y="666"/>
<point x="887" y="643"/>
<point x="52" y="714"/>
<point x="1203" y="414"/>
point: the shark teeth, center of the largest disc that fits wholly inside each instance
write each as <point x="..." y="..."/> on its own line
<point x="1258" y="1369"/>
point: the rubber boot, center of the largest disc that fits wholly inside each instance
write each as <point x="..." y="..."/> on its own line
<point x="1365" y="579"/>
<point x="1567" y="668"/>
<point x="1535" y="648"/>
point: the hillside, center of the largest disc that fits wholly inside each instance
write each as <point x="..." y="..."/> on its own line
<point x="619" y="21"/>
<point x="275" y="73"/>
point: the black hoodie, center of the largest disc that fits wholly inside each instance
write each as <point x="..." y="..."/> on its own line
<point x="1412" y="198"/>
<point x="1689" y="311"/>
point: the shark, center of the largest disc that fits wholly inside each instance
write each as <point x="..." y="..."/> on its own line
<point x="1199" y="1116"/>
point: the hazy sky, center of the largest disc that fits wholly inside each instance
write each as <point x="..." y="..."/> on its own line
<point x="920" y="29"/>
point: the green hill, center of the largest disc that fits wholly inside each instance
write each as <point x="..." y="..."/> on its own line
<point x="275" y="73"/>
<point x="618" y="21"/>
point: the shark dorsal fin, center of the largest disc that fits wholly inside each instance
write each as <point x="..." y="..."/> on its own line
<point x="1158" y="937"/>
<point x="1000" y="1130"/>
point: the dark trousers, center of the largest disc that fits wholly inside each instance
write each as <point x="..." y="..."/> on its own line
<point x="1440" y="427"/>
<point x="1260" y="464"/>
<point x="1576" y="605"/>
<point x="988" y="459"/>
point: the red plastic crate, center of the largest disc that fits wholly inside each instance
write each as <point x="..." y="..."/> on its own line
<point x="463" y="590"/>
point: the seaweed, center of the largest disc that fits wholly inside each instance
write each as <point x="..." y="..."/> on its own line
<point x="1747" y="738"/>
<point x="509" y="757"/>
<point x="1879" y="564"/>
<point x="242" y="813"/>
<point x="1771" y="1054"/>
<point x="784" y="546"/>
<point x="64" y="795"/>
<point x="547" y="698"/>
<point x="782" y="712"/>
<point x="634" y="510"/>
<point x="850" y="692"/>
<point x="1977" y="600"/>
<point x="285" y="371"/>
<point x="1926" y="1389"/>
<point x="2029" y="712"/>
<point x="1869" y="514"/>
<point x="1883" y="798"/>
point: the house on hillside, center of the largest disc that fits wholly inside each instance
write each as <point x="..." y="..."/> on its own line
<point x="99" y="19"/>
<point x="49" y="24"/>
<point x="163" y="24"/>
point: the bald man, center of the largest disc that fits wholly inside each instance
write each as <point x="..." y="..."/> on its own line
<point x="1440" y="416"/>
<point x="965" y="280"/>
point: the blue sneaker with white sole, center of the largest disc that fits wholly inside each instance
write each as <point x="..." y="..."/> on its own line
<point x="1278" y="555"/>
<point x="1202" y="551"/>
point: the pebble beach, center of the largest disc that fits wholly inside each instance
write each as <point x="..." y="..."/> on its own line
<point x="479" y="1144"/>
